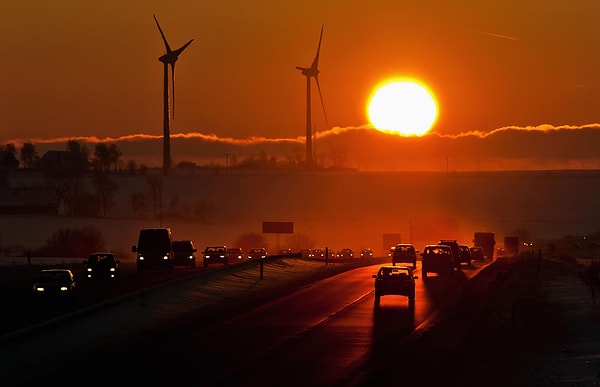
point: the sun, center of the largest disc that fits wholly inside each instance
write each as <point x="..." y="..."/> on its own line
<point x="406" y="108"/>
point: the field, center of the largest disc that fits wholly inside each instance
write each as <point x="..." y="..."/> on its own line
<point x="341" y="209"/>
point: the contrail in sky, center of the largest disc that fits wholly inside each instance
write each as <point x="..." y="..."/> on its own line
<point x="497" y="35"/>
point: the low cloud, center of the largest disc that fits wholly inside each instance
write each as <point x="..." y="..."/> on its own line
<point x="364" y="148"/>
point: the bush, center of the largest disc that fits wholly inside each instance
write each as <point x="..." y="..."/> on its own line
<point x="72" y="243"/>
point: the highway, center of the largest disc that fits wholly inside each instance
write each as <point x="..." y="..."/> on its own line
<point x="324" y="334"/>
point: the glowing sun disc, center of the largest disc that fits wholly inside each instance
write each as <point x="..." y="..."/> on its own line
<point x="403" y="107"/>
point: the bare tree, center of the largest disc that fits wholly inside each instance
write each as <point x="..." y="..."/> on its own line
<point x="28" y="154"/>
<point x="114" y="154"/>
<point x="202" y="209"/>
<point x="103" y="157"/>
<point x="139" y="204"/>
<point x="105" y="190"/>
<point x="156" y="191"/>
<point x="74" y="146"/>
<point x="251" y="240"/>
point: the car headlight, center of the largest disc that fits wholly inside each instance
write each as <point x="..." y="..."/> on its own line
<point x="141" y="257"/>
<point x="64" y="288"/>
<point x="166" y="257"/>
<point x="89" y="269"/>
<point x="112" y="269"/>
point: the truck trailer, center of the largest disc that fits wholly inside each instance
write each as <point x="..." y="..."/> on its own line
<point x="487" y="242"/>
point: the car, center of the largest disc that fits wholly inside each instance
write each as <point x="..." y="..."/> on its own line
<point x="258" y="253"/>
<point x="391" y="252"/>
<point x="323" y="253"/>
<point x="154" y="250"/>
<point x="54" y="282"/>
<point x="465" y="254"/>
<point x="215" y="254"/>
<point x="102" y="266"/>
<point x="476" y="253"/>
<point x="306" y="253"/>
<point x="318" y="253"/>
<point x="184" y="253"/>
<point x="366" y="253"/>
<point x="437" y="259"/>
<point x="395" y="280"/>
<point x="455" y="247"/>
<point x="345" y="253"/>
<point x="405" y="253"/>
<point x="235" y="253"/>
<point x="285" y="252"/>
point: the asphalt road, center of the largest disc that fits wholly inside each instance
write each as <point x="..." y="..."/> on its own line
<point x="324" y="334"/>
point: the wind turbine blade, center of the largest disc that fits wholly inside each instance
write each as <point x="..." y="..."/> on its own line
<point x="321" y="97"/>
<point x="180" y="50"/>
<point x="163" y="35"/>
<point x="315" y="62"/>
<point x="173" y="90"/>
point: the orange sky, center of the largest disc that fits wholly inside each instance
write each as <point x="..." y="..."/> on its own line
<point x="75" y="69"/>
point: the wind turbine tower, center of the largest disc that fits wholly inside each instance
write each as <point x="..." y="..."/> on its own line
<point x="168" y="59"/>
<point x="312" y="72"/>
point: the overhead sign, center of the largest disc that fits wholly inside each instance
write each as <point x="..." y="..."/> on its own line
<point x="278" y="227"/>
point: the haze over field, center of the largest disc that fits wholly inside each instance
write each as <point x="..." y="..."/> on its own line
<point x="344" y="209"/>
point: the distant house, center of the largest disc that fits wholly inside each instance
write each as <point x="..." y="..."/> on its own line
<point x="67" y="161"/>
<point x="8" y="160"/>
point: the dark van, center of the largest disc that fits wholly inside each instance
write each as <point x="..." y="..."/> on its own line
<point x="154" y="250"/>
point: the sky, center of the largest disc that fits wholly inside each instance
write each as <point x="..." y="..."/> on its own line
<point x="91" y="70"/>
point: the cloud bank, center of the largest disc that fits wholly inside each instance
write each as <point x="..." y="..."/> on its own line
<point x="542" y="147"/>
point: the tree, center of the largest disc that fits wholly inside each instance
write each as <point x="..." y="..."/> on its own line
<point x="131" y="166"/>
<point x="10" y="148"/>
<point x="139" y="204"/>
<point x="114" y="155"/>
<point x="156" y="190"/>
<point x="251" y="240"/>
<point x="74" y="146"/>
<point x="28" y="155"/>
<point x="296" y="242"/>
<point x="202" y="209"/>
<point x="67" y="185"/>
<point x="103" y="157"/>
<point x="105" y="190"/>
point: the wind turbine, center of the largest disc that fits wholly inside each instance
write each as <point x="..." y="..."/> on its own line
<point x="168" y="59"/>
<point x="312" y="72"/>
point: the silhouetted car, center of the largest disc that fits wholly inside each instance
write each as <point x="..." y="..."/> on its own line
<point x="306" y="253"/>
<point x="102" y="265"/>
<point x="154" y="250"/>
<point x="345" y="253"/>
<point x="465" y="254"/>
<point x="405" y="253"/>
<point x="257" y="253"/>
<point x="215" y="254"/>
<point x="320" y="253"/>
<point x="54" y="282"/>
<point x="184" y="253"/>
<point x="454" y="246"/>
<point x="235" y="253"/>
<point x="437" y="259"/>
<point x="285" y="252"/>
<point x="366" y="253"/>
<point x="476" y="253"/>
<point x="395" y="280"/>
